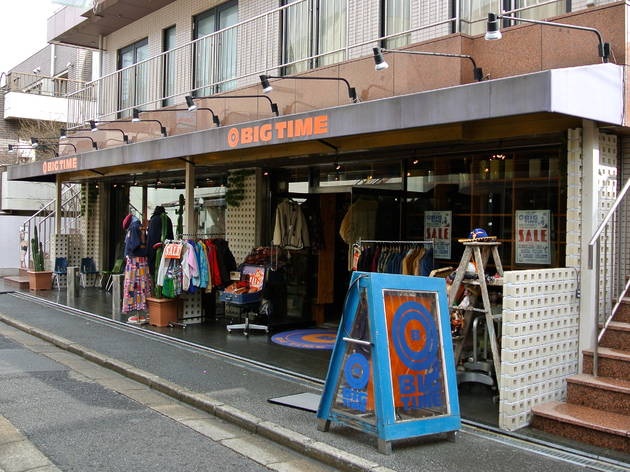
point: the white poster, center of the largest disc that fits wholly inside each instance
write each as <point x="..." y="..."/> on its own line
<point x="532" y="237"/>
<point x="437" y="227"/>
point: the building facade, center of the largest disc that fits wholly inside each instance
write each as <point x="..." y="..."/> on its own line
<point x="522" y="137"/>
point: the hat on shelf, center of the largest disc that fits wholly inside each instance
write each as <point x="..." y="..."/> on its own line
<point x="478" y="235"/>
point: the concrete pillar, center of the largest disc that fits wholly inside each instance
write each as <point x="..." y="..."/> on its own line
<point x="72" y="283"/>
<point x="189" y="195"/>
<point x="590" y="202"/>
<point x="117" y="284"/>
<point x="58" y="183"/>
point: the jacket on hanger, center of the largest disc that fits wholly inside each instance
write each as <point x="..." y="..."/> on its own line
<point x="291" y="229"/>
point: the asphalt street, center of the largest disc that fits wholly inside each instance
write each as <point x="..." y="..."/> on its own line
<point x="79" y="424"/>
<point x="248" y="389"/>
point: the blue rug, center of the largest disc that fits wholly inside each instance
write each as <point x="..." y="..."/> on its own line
<point x="307" y="338"/>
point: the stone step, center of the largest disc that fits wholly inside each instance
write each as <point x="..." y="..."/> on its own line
<point x="613" y="363"/>
<point x="617" y="335"/>
<point x="601" y="393"/>
<point x="588" y="425"/>
<point x="17" y="281"/>
<point x="623" y="314"/>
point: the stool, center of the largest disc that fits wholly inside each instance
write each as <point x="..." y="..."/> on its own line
<point x="246" y="309"/>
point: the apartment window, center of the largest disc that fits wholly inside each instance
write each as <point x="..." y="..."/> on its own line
<point x="474" y="13"/>
<point x="168" y="44"/>
<point x="395" y="18"/>
<point x="215" y="55"/>
<point x="133" y="89"/>
<point x="312" y="28"/>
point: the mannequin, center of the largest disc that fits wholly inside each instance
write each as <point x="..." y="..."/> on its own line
<point x="137" y="281"/>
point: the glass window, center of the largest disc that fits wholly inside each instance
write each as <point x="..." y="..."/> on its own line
<point x="475" y="12"/>
<point x="168" y="43"/>
<point x="133" y="80"/>
<point x="327" y="18"/>
<point x="489" y="190"/>
<point x="215" y="54"/>
<point x="396" y="15"/>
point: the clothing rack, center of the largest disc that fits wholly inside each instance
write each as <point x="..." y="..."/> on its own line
<point x="375" y="241"/>
<point x="196" y="235"/>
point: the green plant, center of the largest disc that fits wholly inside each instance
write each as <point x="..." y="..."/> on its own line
<point x="235" y="192"/>
<point x="37" y="253"/>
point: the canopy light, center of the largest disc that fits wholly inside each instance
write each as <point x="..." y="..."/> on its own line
<point x="264" y="81"/>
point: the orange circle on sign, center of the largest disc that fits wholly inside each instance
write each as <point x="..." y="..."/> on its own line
<point x="233" y="137"/>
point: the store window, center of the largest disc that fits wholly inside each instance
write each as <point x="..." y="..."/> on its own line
<point x="518" y="196"/>
<point x="395" y="18"/>
<point x="312" y="28"/>
<point x="215" y="54"/>
<point x="132" y="86"/>
<point x="168" y="44"/>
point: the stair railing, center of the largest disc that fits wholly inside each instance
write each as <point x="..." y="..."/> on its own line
<point x="605" y="235"/>
<point x="44" y="220"/>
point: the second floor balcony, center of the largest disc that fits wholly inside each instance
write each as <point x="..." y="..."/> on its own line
<point x="37" y="97"/>
<point x="277" y="42"/>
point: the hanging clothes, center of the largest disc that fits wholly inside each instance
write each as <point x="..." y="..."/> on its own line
<point x="359" y="222"/>
<point x="396" y="259"/>
<point x="160" y="228"/>
<point x="291" y="229"/>
<point x="137" y="284"/>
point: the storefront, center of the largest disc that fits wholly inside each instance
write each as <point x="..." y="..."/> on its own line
<point x="400" y="170"/>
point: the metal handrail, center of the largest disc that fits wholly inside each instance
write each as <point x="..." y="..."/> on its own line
<point x="594" y="262"/>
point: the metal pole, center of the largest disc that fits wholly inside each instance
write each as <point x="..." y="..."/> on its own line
<point x="189" y="212"/>
<point x="596" y="328"/>
<point x="58" y="197"/>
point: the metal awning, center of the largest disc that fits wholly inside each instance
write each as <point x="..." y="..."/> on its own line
<point x="594" y="92"/>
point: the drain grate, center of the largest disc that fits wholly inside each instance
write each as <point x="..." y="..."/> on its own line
<point x="592" y="463"/>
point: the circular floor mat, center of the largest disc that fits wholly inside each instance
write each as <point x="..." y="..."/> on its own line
<point x="307" y="338"/>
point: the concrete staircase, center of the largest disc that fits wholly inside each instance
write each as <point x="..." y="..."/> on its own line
<point x="597" y="409"/>
<point x="19" y="281"/>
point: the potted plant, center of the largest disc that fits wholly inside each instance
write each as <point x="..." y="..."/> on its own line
<point x="162" y="311"/>
<point x="38" y="278"/>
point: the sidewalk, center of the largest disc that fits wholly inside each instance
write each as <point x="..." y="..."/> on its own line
<point x="239" y="392"/>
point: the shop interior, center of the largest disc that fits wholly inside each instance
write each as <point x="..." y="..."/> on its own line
<point x="371" y="209"/>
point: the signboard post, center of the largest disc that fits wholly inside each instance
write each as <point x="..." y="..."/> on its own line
<point x="392" y="372"/>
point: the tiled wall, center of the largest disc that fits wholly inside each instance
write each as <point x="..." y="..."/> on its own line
<point x="90" y="228"/>
<point x="240" y="221"/>
<point x="539" y="340"/>
<point x="68" y="246"/>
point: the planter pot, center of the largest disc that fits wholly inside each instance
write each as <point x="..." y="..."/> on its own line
<point x="162" y="311"/>
<point x="40" y="280"/>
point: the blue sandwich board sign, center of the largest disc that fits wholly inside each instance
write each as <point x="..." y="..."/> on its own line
<point x="392" y="371"/>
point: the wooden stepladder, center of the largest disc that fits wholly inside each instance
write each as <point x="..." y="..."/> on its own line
<point x="479" y="253"/>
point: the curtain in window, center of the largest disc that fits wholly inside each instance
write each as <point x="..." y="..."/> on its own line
<point x="541" y="12"/>
<point x="204" y="53"/>
<point x="297" y="30"/>
<point x="332" y="30"/>
<point x="215" y="56"/>
<point x="227" y="48"/>
<point x="142" y="75"/>
<point x="397" y="18"/>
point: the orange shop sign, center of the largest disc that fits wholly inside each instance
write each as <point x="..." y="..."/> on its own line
<point x="56" y="165"/>
<point x="286" y="129"/>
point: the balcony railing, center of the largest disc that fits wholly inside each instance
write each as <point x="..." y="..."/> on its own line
<point x="235" y="56"/>
<point x="41" y="85"/>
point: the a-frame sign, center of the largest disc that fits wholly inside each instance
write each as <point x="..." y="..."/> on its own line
<point x="392" y="372"/>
